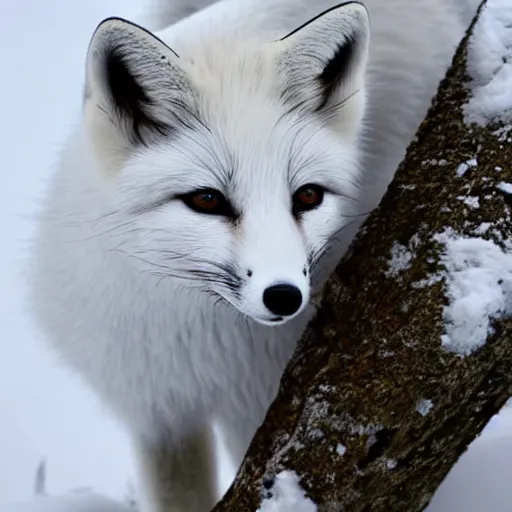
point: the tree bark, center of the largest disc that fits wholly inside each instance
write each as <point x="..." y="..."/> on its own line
<point x="372" y="410"/>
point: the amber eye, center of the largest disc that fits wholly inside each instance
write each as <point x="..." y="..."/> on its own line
<point x="307" y="197"/>
<point x="208" y="201"/>
<point x="205" y="200"/>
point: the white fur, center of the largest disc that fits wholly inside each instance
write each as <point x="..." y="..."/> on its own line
<point x="112" y="256"/>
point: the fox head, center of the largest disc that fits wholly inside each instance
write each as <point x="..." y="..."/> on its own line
<point x="233" y="171"/>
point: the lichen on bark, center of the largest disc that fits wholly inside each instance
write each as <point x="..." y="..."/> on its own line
<point x="372" y="411"/>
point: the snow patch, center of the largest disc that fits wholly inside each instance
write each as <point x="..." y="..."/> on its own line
<point x="503" y="133"/>
<point x="479" y="287"/>
<point x="434" y="161"/>
<point x="472" y="202"/>
<point x="429" y="281"/>
<point x="400" y="260"/>
<point x="489" y="65"/>
<point x="341" y="449"/>
<point x="483" y="228"/>
<point x="505" y="187"/>
<point x="316" y="433"/>
<point x="463" y="167"/>
<point x="424" y="406"/>
<point x="391" y="464"/>
<point x="286" y="495"/>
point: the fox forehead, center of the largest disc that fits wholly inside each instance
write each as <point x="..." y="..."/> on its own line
<point x="246" y="141"/>
<point x="248" y="138"/>
<point x="249" y="153"/>
<point x="225" y="65"/>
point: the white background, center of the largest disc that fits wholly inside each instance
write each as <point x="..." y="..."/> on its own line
<point x="44" y="410"/>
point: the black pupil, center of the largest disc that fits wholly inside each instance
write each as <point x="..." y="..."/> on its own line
<point x="208" y="197"/>
<point x="308" y="194"/>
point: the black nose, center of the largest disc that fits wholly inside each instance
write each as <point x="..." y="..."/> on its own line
<point x="282" y="299"/>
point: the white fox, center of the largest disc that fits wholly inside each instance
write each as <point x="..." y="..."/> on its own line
<point x="219" y="171"/>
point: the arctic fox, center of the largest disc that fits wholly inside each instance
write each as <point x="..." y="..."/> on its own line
<point x="219" y="171"/>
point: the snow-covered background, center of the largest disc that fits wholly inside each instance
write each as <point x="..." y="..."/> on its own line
<point x="45" y="411"/>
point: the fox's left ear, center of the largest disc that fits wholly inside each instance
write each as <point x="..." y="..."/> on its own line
<point x="323" y="62"/>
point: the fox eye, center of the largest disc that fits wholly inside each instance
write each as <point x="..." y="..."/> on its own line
<point x="208" y="200"/>
<point x="307" y="197"/>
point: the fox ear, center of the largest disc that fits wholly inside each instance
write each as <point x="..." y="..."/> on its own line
<point x="324" y="60"/>
<point x="135" y="91"/>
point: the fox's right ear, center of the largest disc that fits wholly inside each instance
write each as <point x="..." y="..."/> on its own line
<point x="136" y="91"/>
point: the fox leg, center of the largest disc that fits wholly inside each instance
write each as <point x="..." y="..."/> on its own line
<point x="178" y="476"/>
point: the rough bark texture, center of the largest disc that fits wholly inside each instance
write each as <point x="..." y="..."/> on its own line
<point x="372" y="358"/>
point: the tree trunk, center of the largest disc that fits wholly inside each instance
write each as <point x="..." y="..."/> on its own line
<point x="374" y="409"/>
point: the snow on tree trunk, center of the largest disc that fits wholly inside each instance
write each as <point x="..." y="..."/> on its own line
<point x="410" y="354"/>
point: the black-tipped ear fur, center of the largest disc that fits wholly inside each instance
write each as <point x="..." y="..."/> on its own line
<point x="324" y="60"/>
<point x="135" y="80"/>
<point x="336" y="69"/>
<point x="129" y="99"/>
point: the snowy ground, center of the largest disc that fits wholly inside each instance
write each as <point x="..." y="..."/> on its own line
<point x="44" y="410"/>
